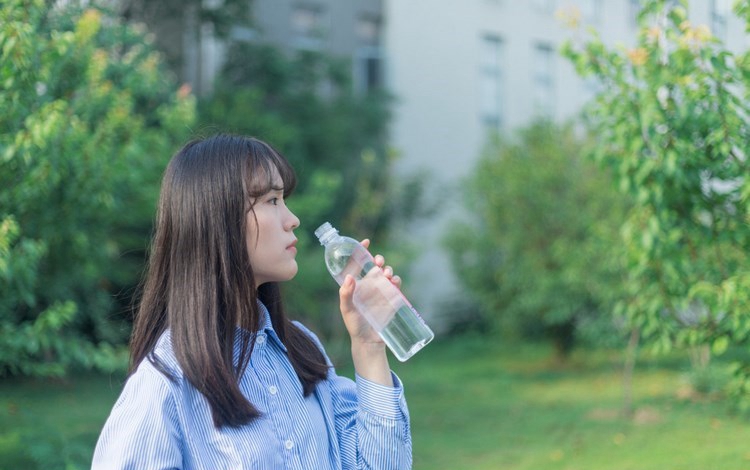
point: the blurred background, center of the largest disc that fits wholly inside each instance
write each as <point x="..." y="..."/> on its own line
<point x="562" y="184"/>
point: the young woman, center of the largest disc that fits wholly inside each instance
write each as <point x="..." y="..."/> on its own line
<point x="219" y="377"/>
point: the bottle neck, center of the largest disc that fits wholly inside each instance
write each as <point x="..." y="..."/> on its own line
<point x="328" y="236"/>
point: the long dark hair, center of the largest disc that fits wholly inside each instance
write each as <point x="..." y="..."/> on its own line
<point x="200" y="281"/>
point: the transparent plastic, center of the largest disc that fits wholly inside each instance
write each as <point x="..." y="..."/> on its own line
<point x="383" y="305"/>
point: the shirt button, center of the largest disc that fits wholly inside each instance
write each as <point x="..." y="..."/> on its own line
<point x="272" y="389"/>
<point x="260" y="340"/>
<point x="289" y="444"/>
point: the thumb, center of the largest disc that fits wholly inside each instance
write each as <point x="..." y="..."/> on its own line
<point x="346" y="294"/>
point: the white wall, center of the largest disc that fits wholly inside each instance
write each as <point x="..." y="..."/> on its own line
<point x="432" y="53"/>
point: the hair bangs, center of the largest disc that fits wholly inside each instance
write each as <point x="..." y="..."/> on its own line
<point x="266" y="169"/>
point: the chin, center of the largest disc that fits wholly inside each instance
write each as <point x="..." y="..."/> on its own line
<point x="292" y="273"/>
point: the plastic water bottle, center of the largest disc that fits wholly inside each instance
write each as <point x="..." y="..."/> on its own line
<point x="375" y="296"/>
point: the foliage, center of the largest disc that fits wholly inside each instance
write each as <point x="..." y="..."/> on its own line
<point x="221" y="15"/>
<point x="672" y="124"/>
<point x="170" y="20"/>
<point x="54" y="423"/>
<point x="553" y="417"/>
<point x="303" y="104"/>
<point x="88" y="122"/>
<point x="541" y="255"/>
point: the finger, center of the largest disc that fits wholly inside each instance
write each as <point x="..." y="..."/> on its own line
<point x="388" y="271"/>
<point x="346" y="294"/>
<point x="396" y="280"/>
<point x="365" y="243"/>
<point x="379" y="260"/>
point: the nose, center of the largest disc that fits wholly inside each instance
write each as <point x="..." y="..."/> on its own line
<point x="292" y="222"/>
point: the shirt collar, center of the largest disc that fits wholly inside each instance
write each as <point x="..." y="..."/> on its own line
<point x="267" y="327"/>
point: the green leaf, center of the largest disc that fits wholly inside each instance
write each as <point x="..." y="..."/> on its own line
<point x="720" y="345"/>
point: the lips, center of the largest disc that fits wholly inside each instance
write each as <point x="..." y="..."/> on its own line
<point x="292" y="246"/>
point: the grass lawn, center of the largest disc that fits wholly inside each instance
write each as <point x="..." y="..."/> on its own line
<point x="475" y="404"/>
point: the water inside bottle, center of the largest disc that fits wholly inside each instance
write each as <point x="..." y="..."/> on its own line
<point x="406" y="333"/>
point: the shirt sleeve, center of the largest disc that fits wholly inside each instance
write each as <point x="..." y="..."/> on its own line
<point x="142" y="431"/>
<point x="371" y="420"/>
<point x="372" y="423"/>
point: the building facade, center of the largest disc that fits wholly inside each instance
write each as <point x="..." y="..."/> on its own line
<point x="464" y="69"/>
<point x="351" y="29"/>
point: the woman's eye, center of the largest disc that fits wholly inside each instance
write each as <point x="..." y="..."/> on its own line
<point x="274" y="201"/>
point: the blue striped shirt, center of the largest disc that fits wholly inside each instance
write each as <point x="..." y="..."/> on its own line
<point x="160" y="424"/>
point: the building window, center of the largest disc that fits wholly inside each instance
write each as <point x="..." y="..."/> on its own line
<point x="368" y="29"/>
<point x="720" y="10"/>
<point x="490" y="81"/>
<point x="308" y="26"/>
<point x="368" y="69"/>
<point x="544" y="80"/>
<point x="368" y="60"/>
<point x="590" y="10"/>
<point x="544" y="6"/>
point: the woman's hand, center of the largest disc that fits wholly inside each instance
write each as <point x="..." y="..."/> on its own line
<point x="368" y="348"/>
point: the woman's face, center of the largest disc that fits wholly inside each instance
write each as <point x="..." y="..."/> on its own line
<point x="270" y="237"/>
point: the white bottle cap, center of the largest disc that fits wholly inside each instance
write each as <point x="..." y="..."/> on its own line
<point x="324" y="232"/>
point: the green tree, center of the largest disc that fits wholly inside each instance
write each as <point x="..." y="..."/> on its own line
<point x="541" y="256"/>
<point x="89" y="120"/>
<point x="303" y="103"/>
<point x="672" y="123"/>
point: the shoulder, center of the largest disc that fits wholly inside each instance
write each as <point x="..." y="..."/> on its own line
<point x="143" y="427"/>
<point x="157" y="375"/>
<point x="148" y="401"/>
<point x="305" y="330"/>
<point x="146" y="387"/>
<point x="162" y="359"/>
